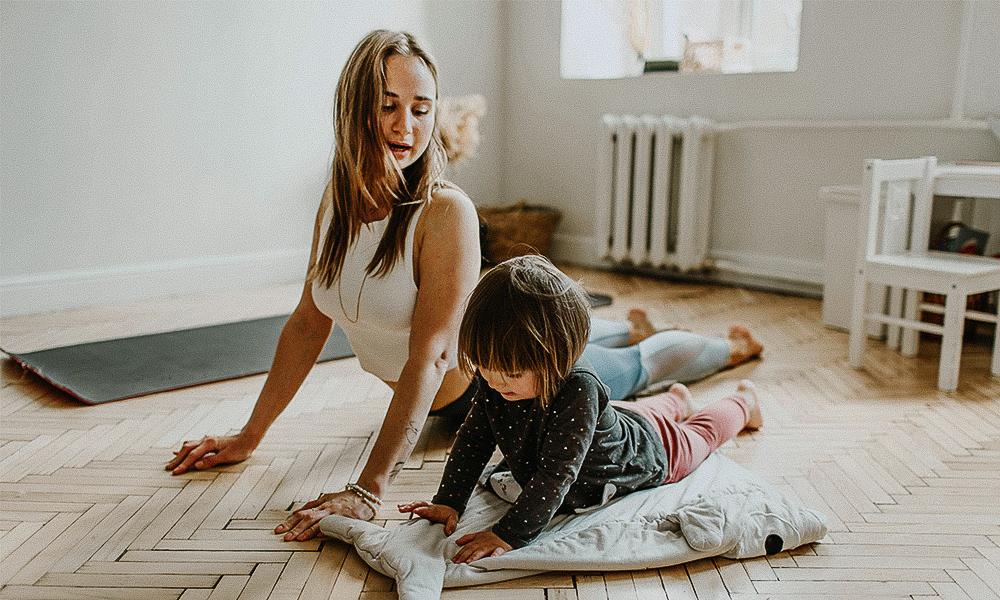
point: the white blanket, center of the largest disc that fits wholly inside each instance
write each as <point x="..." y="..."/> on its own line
<point x="720" y="509"/>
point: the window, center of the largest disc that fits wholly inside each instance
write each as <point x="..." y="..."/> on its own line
<point x="603" y="39"/>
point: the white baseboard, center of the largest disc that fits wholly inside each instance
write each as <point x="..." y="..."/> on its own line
<point x="62" y="290"/>
<point x="738" y="268"/>
<point x="771" y="267"/>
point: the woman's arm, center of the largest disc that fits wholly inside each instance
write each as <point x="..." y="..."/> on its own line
<point x="302" y="340"/>
<point x="446" y="269"/>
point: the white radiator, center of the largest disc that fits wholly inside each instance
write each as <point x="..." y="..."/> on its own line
<point x="654" y="185"/>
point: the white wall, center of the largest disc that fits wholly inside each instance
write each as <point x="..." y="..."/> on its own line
<point x="155" y="148"/>
<point x="467" y="38"/>
<point x="868" y="62"/>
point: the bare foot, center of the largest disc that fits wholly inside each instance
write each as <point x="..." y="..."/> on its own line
<point x="742" y="346"/>
<point x="680" y="390"/>
<point x="639" y="326"/>
<point x="748" y="390"/>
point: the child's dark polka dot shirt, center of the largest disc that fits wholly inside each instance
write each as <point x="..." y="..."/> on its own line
<point x="562" y="455"/>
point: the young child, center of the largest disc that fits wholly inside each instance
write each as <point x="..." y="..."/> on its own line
<point x="563" y="441"/>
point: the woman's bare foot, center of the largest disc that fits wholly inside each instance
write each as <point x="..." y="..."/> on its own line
<point x="681" y="391"/>
<point x="639" y="326"/>
<point x="748" y="390"/>
<point x="742" y="346"/>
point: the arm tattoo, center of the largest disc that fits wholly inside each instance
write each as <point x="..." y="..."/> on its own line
<point x="412" y="434"/>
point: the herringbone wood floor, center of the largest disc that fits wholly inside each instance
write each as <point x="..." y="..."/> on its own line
<point x="907" y="476"/>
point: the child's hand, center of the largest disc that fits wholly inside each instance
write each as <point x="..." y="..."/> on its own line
<point x="477" y="545"/>
<point x="437" y="513"/>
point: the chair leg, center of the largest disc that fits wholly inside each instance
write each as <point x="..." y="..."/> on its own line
<point x="911" y="337"/>
<point x="893" y="332"/>
<point x="858" y="338"/>
<point x="995" y="367"/>
<point x="951" y="342"/>
<point x="877" y="298"/>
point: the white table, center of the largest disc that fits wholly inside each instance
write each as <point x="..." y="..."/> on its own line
<point x="968" y="181"/>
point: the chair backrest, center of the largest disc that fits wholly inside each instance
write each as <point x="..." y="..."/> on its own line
<point x="896" y="200"/>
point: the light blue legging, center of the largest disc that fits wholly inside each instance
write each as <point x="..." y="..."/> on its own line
<point x="672" y="355"/>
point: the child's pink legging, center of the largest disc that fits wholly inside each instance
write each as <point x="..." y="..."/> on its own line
<point x="688" y="443"/>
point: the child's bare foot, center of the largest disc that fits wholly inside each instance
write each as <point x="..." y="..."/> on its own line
<point x="748" y="390"/>
<point x="681" y="391"/>
<point x="742" y="346"/>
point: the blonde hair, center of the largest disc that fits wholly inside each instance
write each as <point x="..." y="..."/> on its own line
<point x="364" y="175"/>
<point x="525" y="316"/>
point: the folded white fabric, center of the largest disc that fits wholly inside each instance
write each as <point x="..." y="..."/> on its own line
<point x="720" y="509"/>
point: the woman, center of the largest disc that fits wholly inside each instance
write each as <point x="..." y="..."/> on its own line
<point x="395" y="277"/>
<point x="395" y="273"/>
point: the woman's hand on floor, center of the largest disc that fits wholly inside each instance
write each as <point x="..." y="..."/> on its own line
<point x="208" y="452"/>
<point x="437" y="513"/>
<point x="303" y="524"/>
<point x="479" y="545"/>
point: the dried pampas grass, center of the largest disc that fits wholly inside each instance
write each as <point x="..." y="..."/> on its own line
<point x="459" y="125"/>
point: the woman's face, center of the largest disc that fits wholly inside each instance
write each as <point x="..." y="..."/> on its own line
<point x="407" y="112"/>
<point x="512" y="386"/>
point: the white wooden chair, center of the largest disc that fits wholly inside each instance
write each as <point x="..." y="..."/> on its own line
<point x="894" y="235"/>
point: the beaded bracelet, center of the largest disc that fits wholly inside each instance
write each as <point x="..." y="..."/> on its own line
<point x="367" y="497"/>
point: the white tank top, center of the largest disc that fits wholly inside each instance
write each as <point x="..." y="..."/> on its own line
<point x="375" y="313"/>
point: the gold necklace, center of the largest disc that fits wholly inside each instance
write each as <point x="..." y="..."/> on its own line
<point x="340" y="296"/>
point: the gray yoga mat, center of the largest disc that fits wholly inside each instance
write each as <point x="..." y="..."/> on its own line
<point x="100" y="372"/>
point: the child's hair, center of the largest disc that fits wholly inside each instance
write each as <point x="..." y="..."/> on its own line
<point x="364" y="173"/>
<point x="525" y="316"/>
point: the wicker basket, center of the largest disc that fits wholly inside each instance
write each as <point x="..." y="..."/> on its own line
<point x="517" y="229"/>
